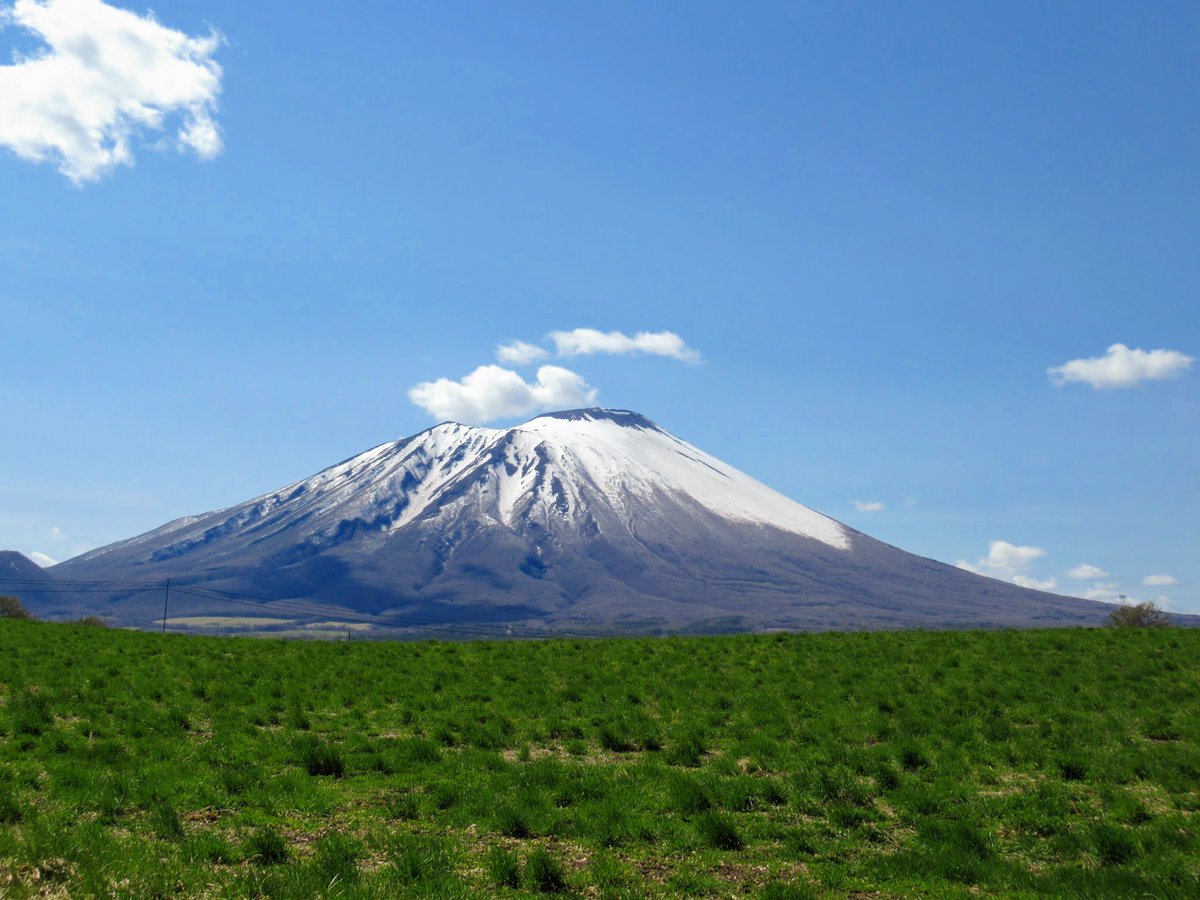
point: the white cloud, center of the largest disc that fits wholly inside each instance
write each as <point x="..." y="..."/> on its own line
<point x="105" y="76"/>
<point x="1086" y="572"/>
<point x="868" y="505"/>
<point x="42" y="559"/>
<point x="586" y="341"/>
<point x="1010" y="562"/>
<point x="1033" y="584"/>
<point x="1111" y="592"/>
<point x="1108" y="592"/>
<point x="1005" y="558"/>
<point x="1122" y="367"/>
<point x="1160" y="580"/>
<point x="492" y="392"/>
<point x="520" y="353"/>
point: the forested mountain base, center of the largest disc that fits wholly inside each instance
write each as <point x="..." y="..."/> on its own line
<point x="908" y="763"/>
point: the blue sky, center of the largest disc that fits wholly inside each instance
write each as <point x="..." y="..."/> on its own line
<point x="878" y="224"/>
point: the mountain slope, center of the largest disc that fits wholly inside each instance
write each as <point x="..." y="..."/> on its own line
<point x="594" y="519"/>
<point x="36" y="588"/>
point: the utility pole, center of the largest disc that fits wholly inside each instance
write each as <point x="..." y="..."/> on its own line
<point x="166" y="597"/>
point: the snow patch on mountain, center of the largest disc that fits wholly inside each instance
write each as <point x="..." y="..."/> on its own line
<point x="631" y="456"/>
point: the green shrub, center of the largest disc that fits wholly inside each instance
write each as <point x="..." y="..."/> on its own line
<point x="1138" y="615"/>
<point x="13" y="608"/>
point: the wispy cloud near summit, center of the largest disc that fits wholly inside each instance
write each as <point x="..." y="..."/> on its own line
<point x="520" y="353"/>
<point x="593" y="342"/>
<point x="588" y="341"/>
<point x="493" y="392"/>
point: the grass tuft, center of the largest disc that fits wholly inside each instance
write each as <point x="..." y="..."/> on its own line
<point x="719" y="831"/>
<point x="1114" y="845"/>
<point x="544" y="874"/>
<point x="503" y="867"/>
<point x="318" y="757"/>
<point x="165" y="821"/>
<point x="266" y="847"/>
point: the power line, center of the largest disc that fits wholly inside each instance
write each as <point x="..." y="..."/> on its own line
<point x="297" y="608"/>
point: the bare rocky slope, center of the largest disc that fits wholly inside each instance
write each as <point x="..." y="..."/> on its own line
<point x="593" y="520"/>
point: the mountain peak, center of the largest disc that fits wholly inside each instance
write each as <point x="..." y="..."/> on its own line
<point x="623" y="417"/>
<point x="13" y="561"/>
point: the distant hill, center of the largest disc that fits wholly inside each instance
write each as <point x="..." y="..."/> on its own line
<point x="593" y="520"/>
<point x="37" y="588"/>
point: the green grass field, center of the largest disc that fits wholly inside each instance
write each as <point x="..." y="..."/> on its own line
<point x="896" y="764"/>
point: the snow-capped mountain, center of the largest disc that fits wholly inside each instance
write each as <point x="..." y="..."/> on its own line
<point x="595" y="519"/>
